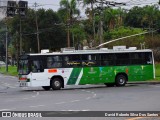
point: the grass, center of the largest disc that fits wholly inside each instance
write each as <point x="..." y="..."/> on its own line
<point x="12" y="70"/>
<point x="157" y="67"/>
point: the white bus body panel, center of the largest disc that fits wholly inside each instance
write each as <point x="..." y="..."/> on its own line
<point x="43" y="78"/>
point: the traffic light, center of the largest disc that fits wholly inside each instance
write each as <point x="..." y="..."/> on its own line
<point x="11" y="8"/>
<point x="22" y="8"/>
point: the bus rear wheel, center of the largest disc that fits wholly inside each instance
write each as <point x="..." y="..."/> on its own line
<point x="56" y="84"/>
<point x="46" y="88"/>
<point x="121" y="80"/>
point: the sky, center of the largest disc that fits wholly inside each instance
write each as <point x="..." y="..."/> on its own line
<point x="54" y="4"/>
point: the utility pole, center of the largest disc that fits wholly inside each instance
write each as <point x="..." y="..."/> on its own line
<point x="93" y="22"/>
<point x="11" y="9"/>
<point x="6" y="48"/>
<point x="68" y="24"/>
<point x="101" y="23"/>
<point x="11" y="12"/>
<point x="101" y="7"/>
<point x="38" y="42"/>
<point x="20" y="29"/>
<point x="22" y="10"/>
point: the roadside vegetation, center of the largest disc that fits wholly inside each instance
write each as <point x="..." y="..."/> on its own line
<point x="12" y="70"/>
<point x="157" y="67"/>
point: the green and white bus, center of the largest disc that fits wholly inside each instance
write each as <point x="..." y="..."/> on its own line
<point x="111" y="67"/>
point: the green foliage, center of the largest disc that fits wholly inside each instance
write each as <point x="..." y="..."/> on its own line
<point x="12" y="51"/>
<point x="51" y="35"/>
<point x="113" y="17"/>
<point x="78" y="33"/>
<point x="68" y="10"/>
<point x="122" y="32"/>
<point x="157" y="71"/>
<point x="144" y="17"/>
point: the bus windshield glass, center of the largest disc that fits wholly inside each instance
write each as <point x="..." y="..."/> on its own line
<point x="23" y="67"/>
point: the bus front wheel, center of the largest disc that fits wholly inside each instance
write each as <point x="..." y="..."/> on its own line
<point x="121" y="80"/>
<point x="56" y="84"/>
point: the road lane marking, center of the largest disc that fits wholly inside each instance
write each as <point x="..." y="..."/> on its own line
<point x="75" y="100"/>
<point x="25" y="98"/>
<point x="7" y="85"/>
<point x="93" y="94"/>
<point x="136" y="118"/>
<point x="88" y="98"/>
<point x="157" y="86"/>
<point x="37" y="106"/>
<point x="75" y="110"/>
<point x="7" y="109"/>
<point x="88" y="91"/>
<point x="33" y="96"/>
<point x="61" y="103"/>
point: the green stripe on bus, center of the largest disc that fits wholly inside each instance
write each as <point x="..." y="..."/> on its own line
<point x="74" y="76"/>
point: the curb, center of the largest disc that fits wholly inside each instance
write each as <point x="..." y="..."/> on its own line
<point x="146" y="82"/>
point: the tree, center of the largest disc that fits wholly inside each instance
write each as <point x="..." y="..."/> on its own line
<point x="150" y="16"/>
<point x="68" y="11"/>
<point x="51" y="34"/>
<point x="122" y="32"/>
<point x="79" y="35"/>
<point x="2" y="39"/>
<point x="113" y="17"/>
<point x="91" y="13"/>
<point x="134" y="17"/>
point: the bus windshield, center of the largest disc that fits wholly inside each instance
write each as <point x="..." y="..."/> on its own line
<point x="23" y="67"/>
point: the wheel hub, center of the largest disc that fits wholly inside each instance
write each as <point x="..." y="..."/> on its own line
<point x="56" y="83"/>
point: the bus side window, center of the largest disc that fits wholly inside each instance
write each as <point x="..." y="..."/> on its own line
<point x="37" y="66"/>
<point x="148" y="58"/>
<point x="54" y="62"/>
<point x="107" y="59"/>
<point x="89" y="60"/>
<point x="72" y="61"/>
<point x="137" y="58"/>
<point x="122" y="59"/>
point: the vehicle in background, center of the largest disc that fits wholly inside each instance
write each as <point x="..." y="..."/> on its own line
<point x="2" y="63"/>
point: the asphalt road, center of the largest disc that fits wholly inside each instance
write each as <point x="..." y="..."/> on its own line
<point x="132" y="97"/>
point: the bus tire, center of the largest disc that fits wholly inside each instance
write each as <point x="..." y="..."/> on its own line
<point x="46" y="88"/>
<point x="121" y="80"/>
<point x="56" y="84"/>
